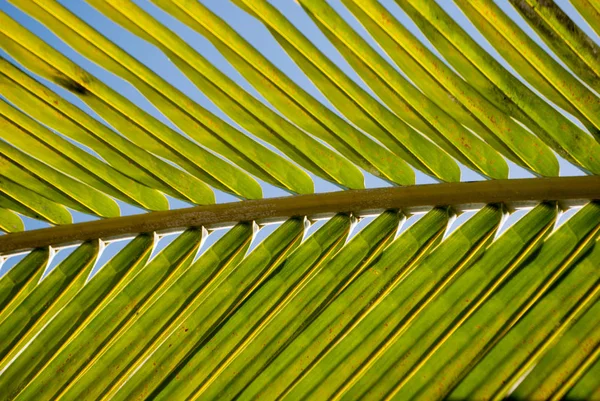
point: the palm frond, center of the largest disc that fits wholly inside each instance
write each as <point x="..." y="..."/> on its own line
<point x="411" y="305"/>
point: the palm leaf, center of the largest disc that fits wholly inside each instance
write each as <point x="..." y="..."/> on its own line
<point x="22" y="279"/>
<point x="565" y="363"/>
<point x="410" y="305"/>
<point x="586" y="387"/>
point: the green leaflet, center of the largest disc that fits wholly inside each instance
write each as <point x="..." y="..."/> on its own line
<point x="467" y="345"/>
<point x="128" y="119"/>
<point x="395" y="90"/>
<point x="349" y="98"/>
<point x="48" y="182"/>
<point x="278" y="89"/>
<point x="566" y="361"/>
<point x="164" y="141"/>
<point x="216" y="304"/>
<point x="587" y="387"/>
<point x="359" y="297"/>
<point x="469" y="149"/>
<point x="51" y="294"/>
<point x="441" y="317"/>
<point x="390" y="86"/>
<point x="75" y="314"/>
<point x="555" y="129"/>
<point x="52" y="110"/>
<point x="264" y="305"/>
<point x="26" y="202"/>
<point x="483" y="84"/>
<point x="335" y="368"/>
<point x="39" y="177"/>
<point x="559" y="77"/>
<point x="518" y="350"/>
<point x="472" y="61"/>
<point x="28" y="135"/>
<point x="540" y="159"/>
<point x="581" y="97"/>
<point x="590" y="10"/>
<point x="145" y="330"/>
<point x="21" y="279"/>
<point x="73" y="357"/>
<point x="248" y="111"/>
<point x="306" y="301"/>
<point x="182" y="110"/>
<point x="498" y="129"/>
<point x="10" y="222"/>
<point x="558" y="132"/>
<point x="563" y="36"/>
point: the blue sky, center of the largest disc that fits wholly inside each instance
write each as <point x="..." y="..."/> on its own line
<point x="258" y="36"/>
